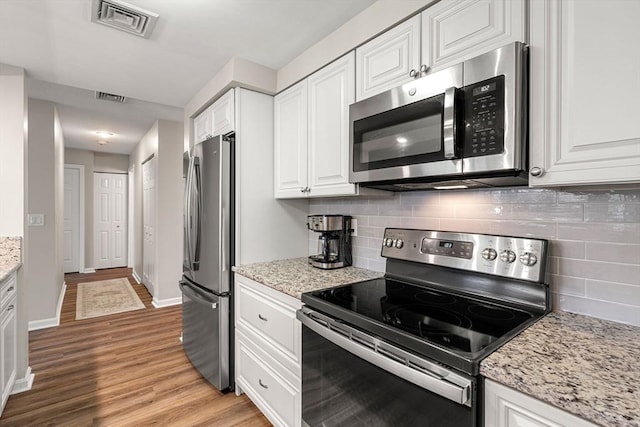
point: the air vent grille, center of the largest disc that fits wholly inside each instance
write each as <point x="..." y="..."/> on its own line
<point x="110" y="97"/>
<point x="123" y="16"/>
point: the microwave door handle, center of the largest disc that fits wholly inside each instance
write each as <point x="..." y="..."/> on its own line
<point x="449" y="123"/>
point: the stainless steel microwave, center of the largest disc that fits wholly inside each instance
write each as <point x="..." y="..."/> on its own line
<point x="464" y="126"/>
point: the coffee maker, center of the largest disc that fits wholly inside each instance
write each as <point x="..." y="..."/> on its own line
<point x="334" y="242"/>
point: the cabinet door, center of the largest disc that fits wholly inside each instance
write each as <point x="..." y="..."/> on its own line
<point x="505" y="407"/>
<point x="290" y="133"/>
<point x="456" y="30"/>
<point x="385" y="62"/>
<point x="331" y="90"/>
<point x="584" y="92"/>
<point x="223" y="114"/>
<point x="202" y="125"/>
<point x="8" y="350"/>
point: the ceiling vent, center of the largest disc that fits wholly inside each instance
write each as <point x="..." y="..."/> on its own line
<point x="123" y="16"/>
<point x="110" y="97"/>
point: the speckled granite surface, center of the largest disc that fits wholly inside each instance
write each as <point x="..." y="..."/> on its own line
<point x="10" y="255"/>
<point x="295" y="276"/>
<point x="586" y="366"/>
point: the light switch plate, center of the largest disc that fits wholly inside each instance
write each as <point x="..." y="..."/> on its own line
<point x="354" y="227"/>
<point x="35" y="220"/>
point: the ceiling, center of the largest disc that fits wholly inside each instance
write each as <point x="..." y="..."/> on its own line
<point x="67" y="57"/>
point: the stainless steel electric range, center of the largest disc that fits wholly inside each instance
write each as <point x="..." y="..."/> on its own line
<point x="405" y="349"/>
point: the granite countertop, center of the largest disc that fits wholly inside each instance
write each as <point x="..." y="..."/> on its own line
<point x="295" y="276"/>
<point x="586" y="366"/>
<point x="10" y="255"/>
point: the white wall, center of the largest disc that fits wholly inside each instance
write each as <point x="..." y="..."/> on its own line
<point x="45" y="196"/>
<point x="13" y="180"/>
<point x="164" y="141"/>
<point x="374" y="20"/>
<point x="594" y="234"/>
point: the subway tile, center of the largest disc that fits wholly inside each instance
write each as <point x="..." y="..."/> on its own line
<point x="369" y="253"/>
<point x="613" y="292"/>
<point x="378" y="264"/>
<point x="395" y="210"/>
<point x="489" y="196"/>
<point x="600" y="232"/>
<point x="421" y="223"/>
<point x="623" y="313"/>
<point x="540" y="230"/>
<point x="465" y="225"/>
<point x="360" y="262"/>
<point x="412" y="198"/>
<point x="528" y="212"/>
<point x="600" y="196"/>
<point x="629" y="212"/>
<point x="434" y="211"/>
<point x="553" y="265"/>
<point x="596" y="270"/>
<point x="385" y="221"/>
<point x="568" y="248"/>
<point x="613" y="252"/>
<point x="568" y="285"/>
<point x="368" y="231"/>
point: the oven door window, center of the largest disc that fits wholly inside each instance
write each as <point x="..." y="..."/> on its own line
<point x="407" y="135"/>
<point x="341" y="389"/>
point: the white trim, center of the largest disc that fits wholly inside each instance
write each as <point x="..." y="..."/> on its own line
<point x="81" y="201"/>
<point x="136" y="277"/>
<point x="51" y="322"/>
<point x="166" y="302"/>
<point x="130" y="237"/>
<point x="89" y="270"/>
<point x="23" y="384"/>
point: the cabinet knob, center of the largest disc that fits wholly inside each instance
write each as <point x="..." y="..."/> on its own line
<point x="303" y="189"/>
<point x="536" y="171"/>
<point x="424" y="69"/>
<point x="413" y="73"/>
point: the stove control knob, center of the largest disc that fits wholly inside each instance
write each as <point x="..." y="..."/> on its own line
<point x="507" y="256"/>
<point x="489" y="254"/>
<point x="399" y="243"/>
<point x="528" y="259"/>
<point x="388" y="243"/>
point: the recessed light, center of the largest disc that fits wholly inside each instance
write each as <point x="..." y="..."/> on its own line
<point x="450" y="187"/>
<point x="104" y="134"/>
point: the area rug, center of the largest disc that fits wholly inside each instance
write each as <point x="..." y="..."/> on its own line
<point x="106" y="297"/>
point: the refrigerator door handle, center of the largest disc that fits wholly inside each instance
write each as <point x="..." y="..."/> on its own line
<point x="198" y="200"/>
<point x="188" y="213"/>
<point x="195" y="296"/>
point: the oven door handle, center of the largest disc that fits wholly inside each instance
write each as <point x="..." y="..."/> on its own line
<point x="449" y="124"/>
<point x="390" y="359"/>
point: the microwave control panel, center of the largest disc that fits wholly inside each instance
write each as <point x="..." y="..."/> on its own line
<point x="484" y="118"/>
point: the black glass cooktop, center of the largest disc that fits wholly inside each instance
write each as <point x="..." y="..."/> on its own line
<point x="452" y="321"/>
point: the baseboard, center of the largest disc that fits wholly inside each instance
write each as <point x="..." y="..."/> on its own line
<point x="136" y="277"/>
<point x="166" y="302"/>
<point x="89" y="270"/>
<point x="23" y="384"/>
<point x="51" y="322"/>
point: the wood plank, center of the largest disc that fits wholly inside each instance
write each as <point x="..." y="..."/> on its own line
<point x="126" y="369"/>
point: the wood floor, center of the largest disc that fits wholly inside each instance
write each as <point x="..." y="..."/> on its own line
<point x="125" y="369"/>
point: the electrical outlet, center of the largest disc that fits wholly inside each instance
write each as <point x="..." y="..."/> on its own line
<point x="35" y="220"/>
<point x="354" y="227"/>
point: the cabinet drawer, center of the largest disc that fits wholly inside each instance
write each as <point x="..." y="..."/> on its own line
<point x="278" y="399"/>
<point x="270" y="319"/>
<point x="7" y="290"/>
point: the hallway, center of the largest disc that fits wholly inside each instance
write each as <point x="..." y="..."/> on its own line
<point x="126" y="369"/>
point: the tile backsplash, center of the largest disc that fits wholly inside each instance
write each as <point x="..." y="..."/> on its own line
<point x="594" y="234"/>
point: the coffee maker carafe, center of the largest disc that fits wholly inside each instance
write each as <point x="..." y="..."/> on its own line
<point x="334" y="242"/>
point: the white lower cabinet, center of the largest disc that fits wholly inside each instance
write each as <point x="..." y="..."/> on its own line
<point x="505" y="407"/>
<point x="268" y="351"/>
<point x="8" y="335"/>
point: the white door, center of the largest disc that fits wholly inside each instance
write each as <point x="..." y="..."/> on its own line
<point x="71" y="232"/>
<point x="148" y="223"/>
<point x="110" y="220"/>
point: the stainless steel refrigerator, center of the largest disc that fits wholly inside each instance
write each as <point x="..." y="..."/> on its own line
<point x="206" y="283"/>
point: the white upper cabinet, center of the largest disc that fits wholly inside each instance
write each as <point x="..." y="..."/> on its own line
<point x="217" y="119"/>
<point x="444" y="34"/>
<point x="312" y="134"/>
<point x="585" y="87"/>
<point x="456" y="30"/>
<point x="290" y="133"/>
<point x="386" y="61"/>
<point x="331" y="90"/>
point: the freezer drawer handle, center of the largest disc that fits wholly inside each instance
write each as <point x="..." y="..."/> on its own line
<point x="262" y="318"/>
<point x="262" y="384"/>
<point x="194" y="296"/>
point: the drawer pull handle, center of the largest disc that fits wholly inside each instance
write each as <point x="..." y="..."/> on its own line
<point x="10" y="307"/>
<point x="10" y="289"/>
<point x="262" y="384"/>
<point x="262" y="318"/>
